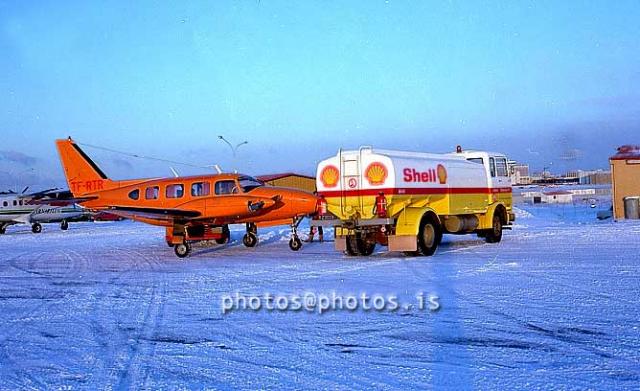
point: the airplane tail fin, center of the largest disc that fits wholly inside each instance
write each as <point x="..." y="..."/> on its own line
<point x="83" y="175"/>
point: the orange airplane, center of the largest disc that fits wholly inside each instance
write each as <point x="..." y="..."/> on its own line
<point x="191" y="208"/>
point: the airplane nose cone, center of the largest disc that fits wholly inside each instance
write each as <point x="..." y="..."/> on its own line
<point x="304" y="203"/>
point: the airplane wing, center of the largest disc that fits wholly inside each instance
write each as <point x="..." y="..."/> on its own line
<point x="23" y="218"/>
<point x="44" y="193"/>
<point x="131" y="212"/>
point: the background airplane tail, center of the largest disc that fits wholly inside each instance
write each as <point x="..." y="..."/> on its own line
<point x="83" y="175"/>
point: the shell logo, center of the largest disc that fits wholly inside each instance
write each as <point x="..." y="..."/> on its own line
<point x="329" y="176"/>
<point x="376" y="174"/>
<point x="442" y="174"/>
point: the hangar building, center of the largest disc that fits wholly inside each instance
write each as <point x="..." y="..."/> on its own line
<point x="625" y="178"/>
<point x="290" y="179"/>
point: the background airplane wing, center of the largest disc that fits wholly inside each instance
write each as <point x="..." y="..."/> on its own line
<point x="60" y="202"/>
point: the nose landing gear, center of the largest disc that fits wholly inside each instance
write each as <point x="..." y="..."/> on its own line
<point x="250" y="239"/>
<point x="295" y="243"/>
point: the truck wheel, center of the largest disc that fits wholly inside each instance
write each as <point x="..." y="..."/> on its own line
<point x="365" y="247"/>
<point x="429" y="236"/>
<point x="226" y="235"/>
<point x="64" y="225"/>
<point x="352" y="246"/>
<point x="36" y="228"/>
<point x="250" y="239"/>
<point x="494" y="235"/>
<point x="182" y="250"/>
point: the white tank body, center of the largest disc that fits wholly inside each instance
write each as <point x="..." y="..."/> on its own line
<point x="353" y="179"/>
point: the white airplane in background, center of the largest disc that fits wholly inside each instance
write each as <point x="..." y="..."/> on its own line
<point x="46" y="206"/>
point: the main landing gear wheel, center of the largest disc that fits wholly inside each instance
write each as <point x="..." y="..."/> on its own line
<point x="182" y="250"/>
<point x="64" y="225"/>
<point x="429" y="237"/>
<point x="226" y="235"/>
<point x="295" y="243"/>
<point x="250" y="239"/>
<point x="3" y="230"/>
<point x="494" y="235"/>
<point x="36" y="228"/>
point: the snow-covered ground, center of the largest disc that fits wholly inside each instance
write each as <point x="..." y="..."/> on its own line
<point x="109" y="306"/>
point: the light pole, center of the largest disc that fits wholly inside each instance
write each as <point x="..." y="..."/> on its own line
<point x="233" y="149"/>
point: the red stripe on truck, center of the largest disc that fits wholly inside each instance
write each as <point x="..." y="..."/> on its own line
<point x="416" y="191"/>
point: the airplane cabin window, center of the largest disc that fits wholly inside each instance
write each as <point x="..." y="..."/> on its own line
<point x="135" y="194"/>
<point x="200" y="189"/>
<point x="152" y="193"/>
<point x="226" y="187"/>
<point x="15" y="203"/>
<point x="20" y="203"/>
<point x="5" y="203"/>
<point x="175" y="191"/>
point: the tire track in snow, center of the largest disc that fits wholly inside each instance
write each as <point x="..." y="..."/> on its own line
<point x="152" y="313"/>
<point x="40" y="311"/>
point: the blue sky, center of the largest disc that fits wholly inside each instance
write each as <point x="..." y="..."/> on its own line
<point x="548" y="82"/>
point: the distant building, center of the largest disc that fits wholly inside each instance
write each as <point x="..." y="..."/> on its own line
<point x="625" y="177"/>
<point x="291" y="180"/>
<point x="597" y="177"/>
<point x="548" y="197"/>
<point x="557" y="197"/>
<point x="519" y="173"/>
<point x="566" y="195"/>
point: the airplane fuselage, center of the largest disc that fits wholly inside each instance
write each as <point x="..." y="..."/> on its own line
<point x="16" y="209"/>
<point x="214" y="199"/>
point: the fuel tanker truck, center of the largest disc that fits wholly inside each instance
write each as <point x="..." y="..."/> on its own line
<point x="408" y="200"/>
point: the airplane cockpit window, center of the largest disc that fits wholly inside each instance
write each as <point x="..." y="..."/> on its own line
<point x="200" y="189"/>
<point x="248" y="183"/>
<point x="152" y="193"/>
<point x="478" y="160"/>
<point x="175" y="191"/>
<point x="226" y="187"/>
<point x="135" y="194"/>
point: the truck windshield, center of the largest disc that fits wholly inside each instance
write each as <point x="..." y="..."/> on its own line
<point x="248" y="183"/>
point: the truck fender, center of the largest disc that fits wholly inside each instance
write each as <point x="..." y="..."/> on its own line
<point x="408" y="222"/>
<point x="486" y="220"/>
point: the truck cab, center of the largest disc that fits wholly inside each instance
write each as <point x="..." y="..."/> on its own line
<point x="497" y="173"/>
<point x="495" y="165"/>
